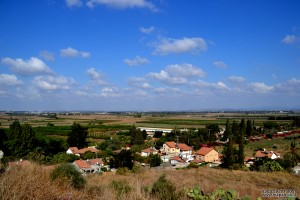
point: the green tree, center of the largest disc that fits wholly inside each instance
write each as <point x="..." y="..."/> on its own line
<point x="77" y="136"/>
<point x="292" y="157"/>
<point x="28" y="138"/>
<point x="122" y="159"/>
<point x="136" y="136"/>
<point x="155" y="160"/>
<point x="241" y="141"/>
<point x="228" y="158"/>
<point x="163" y="189"/>
<point x="249" y="129"/>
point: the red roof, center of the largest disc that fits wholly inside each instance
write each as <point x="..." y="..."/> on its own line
<point x="82" y="164"/>
<point x="149" y="150"/>
<point x="177" y="158"/>
<point x="96" y="161"/>
<point x="75" y="150"/>
<point x="171" y="144"/>
<point x="184" y="147"/>
<point x="204" y="150"/>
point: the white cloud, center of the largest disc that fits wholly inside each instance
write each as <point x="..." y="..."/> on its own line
<point x="220" y="64"/>
<point x="290" y="39"/>
<point x="52" y="83"/>
<point x="9" y="80"/>
<point x="27" y="67"/>
<point x="147" y="30"/>
<point x="71" y="52"/>
<point x="185" y="70"/>
<point x="292" y="86"/>
<point x="73" y="3"/>
<point x="136" y="61"/>
<point x="139" y="83"/>
<point x="236" y="79"/>
<point x="96" y="76"/>
<point x="165" y="77"/>
<point x="261" y="88"/>
<point x="123" y="4"/>
<point x="109" y="92"/>
<point x="184" y="45"/>
<point x="47" y="55"/>
<point x="210" y="87"/>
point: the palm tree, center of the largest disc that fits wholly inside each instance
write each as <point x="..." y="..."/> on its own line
<point x="293" y="155"/>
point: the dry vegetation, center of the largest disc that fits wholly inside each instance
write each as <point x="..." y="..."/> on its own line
<point x="33" y="182"/>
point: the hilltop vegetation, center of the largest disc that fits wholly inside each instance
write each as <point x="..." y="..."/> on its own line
<point x="34" y="182"/>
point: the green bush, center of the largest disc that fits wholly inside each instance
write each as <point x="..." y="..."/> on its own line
<point x="68" y="173"/>
<point x="163" y="189"/>
<point x="136" y="169"/>
<point x="103" y="169"/>
<point x="122" y="171"/>
<point x="121" y="187"/>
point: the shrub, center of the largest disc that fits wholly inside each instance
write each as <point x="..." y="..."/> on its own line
<point x="193" y="165"/>
<point x="163" y="189"/>
<point x="122" y="171"/>
<point x="103" y="169"/>
<point x="68" y="173"/>
<point x="136" y="169"/>
<point x="121" y="187"/>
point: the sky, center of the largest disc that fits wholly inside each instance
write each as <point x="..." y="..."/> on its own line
<point x="149" y="55"/>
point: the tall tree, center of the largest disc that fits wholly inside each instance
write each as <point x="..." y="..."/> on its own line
<point x="249" y="129"/>
<point x="28" y="138"/>
<point x="155" y="160"/>
<point x="241" y="141"/>
<point x="228" y="158"/>
<point x="136" y="136"/>
<point x="77" y="136"/>
<point x="293" y="156"/>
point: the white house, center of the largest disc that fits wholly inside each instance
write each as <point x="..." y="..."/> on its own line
<point x="147" y="152"/>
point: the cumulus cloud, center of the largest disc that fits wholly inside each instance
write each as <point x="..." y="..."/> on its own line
<point x="73" y="3"/>
<point x="290" y="39"/>
<point x="177" y="74"/>
<point x="261" y="88"/>
<point x="96" y="76"/>
<point x="123" y="4"/>
<point x="52" y="83"/>
<point x="185" y="70"/>
<point x="220" y="64"/>
<point x="139" y="83"/>
<point x="47" y="55"/>
<point x="165" y="77"/>
<point x="136" y="61"/>
<point x="236" y="79"/>
<point x="147" y="30"/>
<point x="71" y="52"/>
<point x="109" y="92"/>
<point x="27" y="67"/>
<point x="9" y="80"/>
<point x="184" y="45"/>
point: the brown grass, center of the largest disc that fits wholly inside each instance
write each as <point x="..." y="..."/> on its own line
<point x="33" y="182"/>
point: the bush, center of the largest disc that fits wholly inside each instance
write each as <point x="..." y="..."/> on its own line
<point x="68" y="173"/>
<point x="192" y="165"/>
<point x="121" y="187"/>
<point x="103" y="169"/>
<point x="163" y="189"/>
<point x="122" y="171"/>
<point x="136" y="169"/>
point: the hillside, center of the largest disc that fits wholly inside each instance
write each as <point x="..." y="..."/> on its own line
<point x="33" y="182"/>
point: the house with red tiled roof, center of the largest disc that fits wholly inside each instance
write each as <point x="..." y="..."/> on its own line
<point x="88" y="166"/>
<point x="78" y="152"/>
<point x="148" y="151"/>
<point x="185" y="149"/>
<point x="207" y="154"/>
<point x="268" y="154"/>
<point x="170" y="148"/>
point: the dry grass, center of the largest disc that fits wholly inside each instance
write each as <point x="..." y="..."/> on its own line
<point x="33" y="182"/>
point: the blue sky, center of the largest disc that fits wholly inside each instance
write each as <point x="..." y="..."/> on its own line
<point x="149" y="55"/>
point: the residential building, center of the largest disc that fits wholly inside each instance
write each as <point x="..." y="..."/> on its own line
<point x="78" y="152"/>
<point x="207" y="154"/>
<point x="148" y="151"/>
<point x="170" y="148"/>
<point x="89" y="166"/>
<point x="268" y="154"/>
